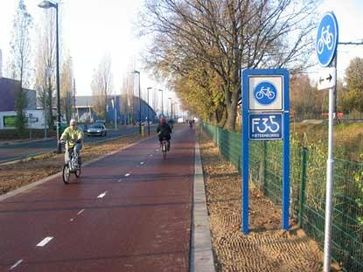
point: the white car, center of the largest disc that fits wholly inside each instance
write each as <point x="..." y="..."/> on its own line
<point x="97" y="130"/>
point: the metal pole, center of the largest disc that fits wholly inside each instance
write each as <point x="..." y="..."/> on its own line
<point x="329" y="183"/>
<point x="148" y="111"/>
<point x="114" y="108"/>
<point x="162" y="102"/>
<point x="59" y="147"/>
<point x="139" y="107"/>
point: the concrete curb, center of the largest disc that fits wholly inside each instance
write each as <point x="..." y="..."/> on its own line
<point x="29" y="186"/>
<point x="201" y="250"/>
<point x="10" y="143"/>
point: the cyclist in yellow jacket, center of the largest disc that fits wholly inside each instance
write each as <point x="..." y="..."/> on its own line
<point x="73" y="138"/>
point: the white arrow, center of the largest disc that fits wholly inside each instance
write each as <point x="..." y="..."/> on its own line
<point x="102" y="195"/>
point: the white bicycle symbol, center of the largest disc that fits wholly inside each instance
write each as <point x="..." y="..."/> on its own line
<point x="265" y="92"/>
<point x="326" y="39"/>
<point x="268" y="124"/>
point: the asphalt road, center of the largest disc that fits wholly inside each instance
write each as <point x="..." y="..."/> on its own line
<point x="128" y="212"/>
<point x="17" y="151"/>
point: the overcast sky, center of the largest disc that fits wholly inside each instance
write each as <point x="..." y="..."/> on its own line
<point x="93" y="28"/>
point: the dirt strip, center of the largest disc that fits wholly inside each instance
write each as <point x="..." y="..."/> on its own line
<point x="15" y="175"/>
<point x="266" y="247"/>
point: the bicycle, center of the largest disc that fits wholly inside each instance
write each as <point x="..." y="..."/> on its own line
<point x="326" y="39"/>
<point x="72" y="166"/>
<point x="265" y="92"/>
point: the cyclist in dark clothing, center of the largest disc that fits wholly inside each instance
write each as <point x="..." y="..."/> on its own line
<point x="164" y="131"/>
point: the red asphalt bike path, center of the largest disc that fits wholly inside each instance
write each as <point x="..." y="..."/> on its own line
<point x="130" y="211"/>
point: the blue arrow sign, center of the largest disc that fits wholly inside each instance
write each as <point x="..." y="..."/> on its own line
<point x="327" y="39"/>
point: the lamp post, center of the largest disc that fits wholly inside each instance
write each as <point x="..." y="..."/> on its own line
<point x="137" y="72"/>
<point x="162" y="102"/>
<point x="114" y="109"/>
<point x="46" y="5"/>
<point x="148" y="110"/>
<point x="170" y="107"/>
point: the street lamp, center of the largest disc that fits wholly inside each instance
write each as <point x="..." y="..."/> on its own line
<point x="171" y="110"/>
<point x="113" y="100"/>
<point x="148" y="109"/>
<point x="137" y="72"/>
<point x="46" y="5"/>
<point x="162" y="102"/>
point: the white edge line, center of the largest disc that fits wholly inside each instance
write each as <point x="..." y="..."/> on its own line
<point x="16" y="264"/>
<point x="45" y="241"/>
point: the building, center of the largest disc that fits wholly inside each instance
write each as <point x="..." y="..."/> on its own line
<point x="118" y="108"/>
<point x="9" y="89"/>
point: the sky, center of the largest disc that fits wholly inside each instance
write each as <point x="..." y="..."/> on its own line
<point x="93" y="28"/>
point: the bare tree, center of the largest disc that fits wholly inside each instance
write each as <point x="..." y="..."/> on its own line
<point x="66" y="92"/>
<point x="225" y="36"/>
<point x="102" y="86"/>
<point x="20" y="62"/>
<point x="45" y="65"/>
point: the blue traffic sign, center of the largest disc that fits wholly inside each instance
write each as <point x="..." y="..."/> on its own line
<point x="265" y="113"/>
<point x="327" y="39"/>
<point x="265" y="93"/>
<point x="265" y="126"/>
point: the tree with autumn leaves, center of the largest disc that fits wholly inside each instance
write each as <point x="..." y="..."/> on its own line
<point x="200" y="47"/>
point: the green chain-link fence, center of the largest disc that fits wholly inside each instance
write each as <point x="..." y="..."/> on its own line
<point x="308" y="179"/>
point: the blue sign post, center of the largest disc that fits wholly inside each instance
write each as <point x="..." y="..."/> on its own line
<point x="266" y="106"/>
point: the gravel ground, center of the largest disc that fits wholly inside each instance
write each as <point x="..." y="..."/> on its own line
<point x="266" y="247"/>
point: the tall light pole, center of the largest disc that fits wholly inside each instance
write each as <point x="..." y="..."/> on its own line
<point x="113" y="100"/>
<point x="170" y="107"/>
<point x="148" y="110"/>
<point x="46" y="5"/>
<point x="137" y="72"/>
<point x="162" y="102"/>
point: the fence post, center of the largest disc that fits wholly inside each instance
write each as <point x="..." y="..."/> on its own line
<point x="265" y="168"/>
<point x="303" y="183"/>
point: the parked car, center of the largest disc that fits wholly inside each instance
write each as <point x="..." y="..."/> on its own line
<point x="83" y="127"/>
<point x="103" y="122"/>
<point x="97" y="130"/>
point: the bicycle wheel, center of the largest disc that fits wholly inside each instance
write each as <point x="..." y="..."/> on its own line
<point x="78" y="172"/>
<point x="66" y="174"/>
<point x="164" y="150"/>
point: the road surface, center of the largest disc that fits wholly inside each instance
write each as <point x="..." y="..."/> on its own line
<point x="128" y="212"/>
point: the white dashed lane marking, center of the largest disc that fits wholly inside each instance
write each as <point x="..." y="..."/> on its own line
<point x="81" y="211"/>
<point x="102" y="195"/>
<point x="45" y="241"/>
<point x="16" y="264"/>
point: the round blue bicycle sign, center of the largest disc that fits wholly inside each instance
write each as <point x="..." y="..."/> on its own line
<point x="327" y="39"/>
<point x="265" y="93"/>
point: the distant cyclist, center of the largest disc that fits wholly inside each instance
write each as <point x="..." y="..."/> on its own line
<point x="73" y="137"/>
<point x="164" y="131"/>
